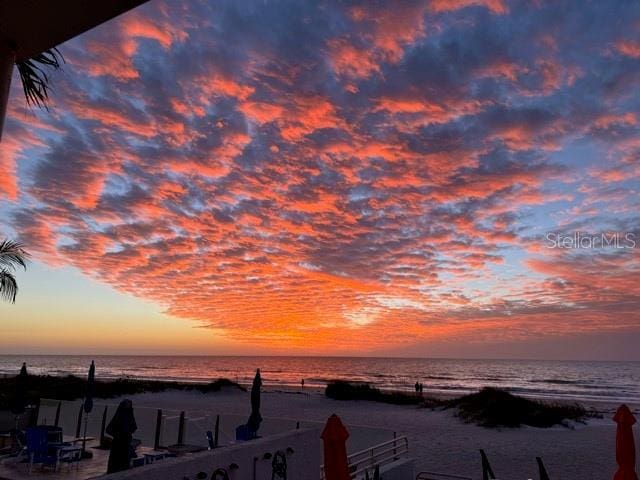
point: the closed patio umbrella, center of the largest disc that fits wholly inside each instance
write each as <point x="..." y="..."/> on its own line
<point x="121" y="428"/>
<point x="334" y="437"/>
<point x="88" y="396"/>
<point x="255" y="418"/>
<point x="87" y="405"/>
<point x="18" y="402"/>
<point x="625" y="445"/>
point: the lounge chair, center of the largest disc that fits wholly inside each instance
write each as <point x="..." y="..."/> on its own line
<point x="45" y="447"/>
<point x="17" y="450"/>
<point x="38" y="449"/>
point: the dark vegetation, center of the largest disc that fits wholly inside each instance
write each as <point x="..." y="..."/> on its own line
<point x="72" y="387"/>
<point x="35" y="81"/>
<point x="490" y="407"/>
<point x="341" y="390"/>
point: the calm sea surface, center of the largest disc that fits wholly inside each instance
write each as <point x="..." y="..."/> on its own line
<point x="606" y="381"/>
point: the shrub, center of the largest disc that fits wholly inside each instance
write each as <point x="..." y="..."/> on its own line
<point x="491" y="407"/>
<point x="342" y="390"/>
<point x="71" y="387"/>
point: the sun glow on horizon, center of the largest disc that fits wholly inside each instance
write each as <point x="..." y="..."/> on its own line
<point x="247" y="177"/>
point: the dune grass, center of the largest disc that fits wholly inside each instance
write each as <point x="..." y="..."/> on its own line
<point x="71" y="387"/>
<point x="490" y="407"/>
<point x="342" y="390"/>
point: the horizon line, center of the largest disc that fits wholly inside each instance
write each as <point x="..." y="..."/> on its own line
<point x="102" y="355"/>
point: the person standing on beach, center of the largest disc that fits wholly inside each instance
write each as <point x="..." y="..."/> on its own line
<point x="417" y="387"/>
<point x="121" y="428"/>
<point x="302" y="383"/>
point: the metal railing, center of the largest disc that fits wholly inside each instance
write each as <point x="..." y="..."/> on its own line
<point x="381" y="454"/>
<point x="440" y="476"/>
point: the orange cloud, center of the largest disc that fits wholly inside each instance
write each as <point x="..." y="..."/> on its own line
<point x="495" y="6"/>
<point x="629" y="48"/>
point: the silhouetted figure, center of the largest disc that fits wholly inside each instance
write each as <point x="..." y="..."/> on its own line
<point x="121" y="428"/>
<point x="417" y="387"/>
<point x="421" y="387"/>
<point x="302" y="383"/>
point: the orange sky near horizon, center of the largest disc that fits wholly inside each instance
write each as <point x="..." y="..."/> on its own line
<point x="292" y="178"/>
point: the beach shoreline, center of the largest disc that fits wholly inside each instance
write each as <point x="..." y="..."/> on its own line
<point x="438" y="440"/>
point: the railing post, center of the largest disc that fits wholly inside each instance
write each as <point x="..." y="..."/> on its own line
<point x="156" y="438"/>
<point x="542" y="471"/>
<point x="217" y="431"/>
<point x="79" y="424"/>
<point x="57" y="420"/>
<point x="395" y="451"/>
<point x="103" y="425"/>
<point x="487" y="471"/>
<point x="181" y="429"/>
<point x="372" y="457"/>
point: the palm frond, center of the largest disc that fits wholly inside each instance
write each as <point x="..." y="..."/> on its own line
<point x="12" y="254"/>
<point x="35" y="81"/>
<point x="8" y="286"/>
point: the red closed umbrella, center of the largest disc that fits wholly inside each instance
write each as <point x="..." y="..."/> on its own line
<point x="625" y="445"/>
<point x="334" y="437"/>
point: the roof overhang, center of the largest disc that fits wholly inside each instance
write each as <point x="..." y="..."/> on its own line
<point x="31" y="26"/>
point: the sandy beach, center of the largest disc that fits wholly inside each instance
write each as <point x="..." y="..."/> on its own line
<point x="437" y="439"/>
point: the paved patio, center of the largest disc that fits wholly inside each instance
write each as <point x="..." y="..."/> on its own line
<point x="88" y="468"/>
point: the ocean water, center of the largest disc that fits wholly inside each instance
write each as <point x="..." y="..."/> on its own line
<point x="571" y="380"/>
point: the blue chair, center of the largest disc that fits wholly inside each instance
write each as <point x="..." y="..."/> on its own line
<point x="38" y="448"/>
<point x="244" y="433"/>
<point x="54" y="434"/>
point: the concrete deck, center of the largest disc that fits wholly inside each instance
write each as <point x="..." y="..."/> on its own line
<point x="88" y="468"/>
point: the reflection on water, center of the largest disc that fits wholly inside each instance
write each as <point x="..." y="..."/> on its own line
<point x="619" y="381"/>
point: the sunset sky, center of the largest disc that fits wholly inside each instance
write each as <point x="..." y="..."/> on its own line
<point x="373" y="178"/>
